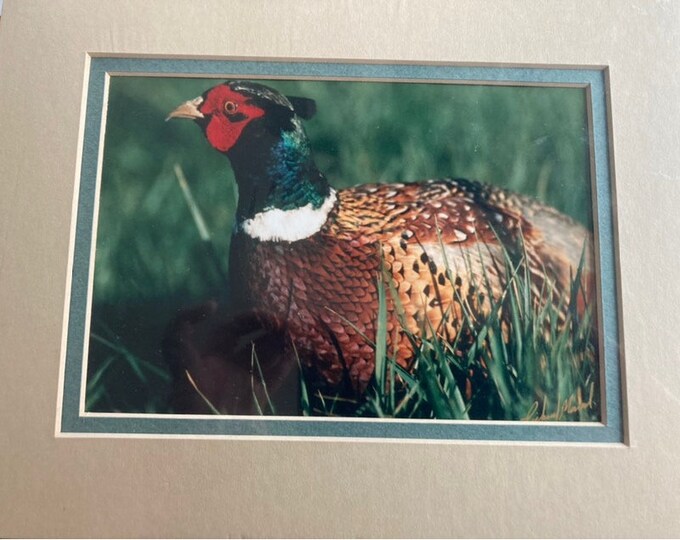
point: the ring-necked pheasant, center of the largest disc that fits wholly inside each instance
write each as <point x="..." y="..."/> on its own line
<point x="307" y="257"/>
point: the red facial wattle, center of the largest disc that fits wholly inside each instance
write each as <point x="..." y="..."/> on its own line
<point x="228" y="113"/>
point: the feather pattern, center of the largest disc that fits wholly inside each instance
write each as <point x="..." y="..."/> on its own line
<point x="323" y="288"/>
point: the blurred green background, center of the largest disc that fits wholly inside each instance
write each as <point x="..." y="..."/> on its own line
<point x="150" y="261"/>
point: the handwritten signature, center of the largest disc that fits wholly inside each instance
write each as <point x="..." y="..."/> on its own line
<point x="571" y="405"/>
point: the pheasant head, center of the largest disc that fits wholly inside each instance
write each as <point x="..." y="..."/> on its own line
<point x="261" y="132"/>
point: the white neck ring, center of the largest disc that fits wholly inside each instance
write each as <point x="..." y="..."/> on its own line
<point x="274" y="224"/>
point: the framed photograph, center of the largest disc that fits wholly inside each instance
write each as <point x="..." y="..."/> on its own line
<point x="348" y="269"/>
<point x="441" y="265"/>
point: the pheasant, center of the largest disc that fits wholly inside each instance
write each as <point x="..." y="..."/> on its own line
<point x="308" y="258"/>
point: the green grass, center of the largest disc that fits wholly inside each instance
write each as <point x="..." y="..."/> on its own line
<point x="154" y="257"/>
<point x="536" y="360"/>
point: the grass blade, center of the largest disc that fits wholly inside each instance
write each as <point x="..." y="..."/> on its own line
<point x="193" y="384"/>
<point x="256" y="361"/>
<point x="381" y="339"/>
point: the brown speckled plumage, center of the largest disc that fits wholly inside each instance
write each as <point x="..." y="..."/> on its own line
<point x="323" y="289"/>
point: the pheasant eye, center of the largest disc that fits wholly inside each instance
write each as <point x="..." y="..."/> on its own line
<point x="230" y="107"/>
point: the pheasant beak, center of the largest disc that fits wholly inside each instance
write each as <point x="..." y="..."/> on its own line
<point x="188" y="109"/>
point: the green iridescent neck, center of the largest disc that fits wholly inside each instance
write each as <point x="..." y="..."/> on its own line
<point x="278" y="172"/>
<point x="296" y="180"/>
